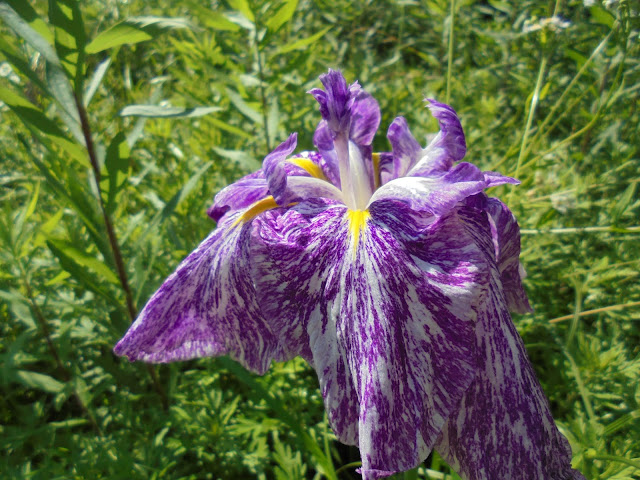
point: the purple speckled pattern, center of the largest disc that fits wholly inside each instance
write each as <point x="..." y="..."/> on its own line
<point x="393" y="276"/>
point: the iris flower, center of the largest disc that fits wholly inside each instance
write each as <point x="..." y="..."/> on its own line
<point x="392" y="274"/>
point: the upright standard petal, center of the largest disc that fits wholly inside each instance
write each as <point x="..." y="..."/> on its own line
<point x="390" y="324"/>
<point x="449" y="145"/>
<point x="405" y="148"/>
<point x="207" y="307"/>
<point x="503" y="427"/>
<point x="336" y="100"/>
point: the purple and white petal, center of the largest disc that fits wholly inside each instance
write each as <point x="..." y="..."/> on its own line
<point x="506" y="237"/>
<point x="336" y="101"/>
<point x="365" y="119"/>
<point x="494" y="179"/>
<point x="503" y="427"/>
<point x="389" y="321"/>
<point x="239" y="195"/>
<point x="207" y="307"/>
<point x="323" y="141"/>
<point x="436" y="195"/>
<point x="406" y="149"/>
<point x="274" y="168"/>
<point x="448" y="146"/>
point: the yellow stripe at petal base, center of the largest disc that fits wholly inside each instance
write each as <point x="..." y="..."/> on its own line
<point x="256" y="209"/>
<point x="308" y="166"/>
<point x="357" y="222"/>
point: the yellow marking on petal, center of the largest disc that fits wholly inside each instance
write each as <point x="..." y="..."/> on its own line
<point x="267" y="203"/>
<point x="309" y="167"/>
<point x="375" y="157"/>
<point x="357" y="222"/>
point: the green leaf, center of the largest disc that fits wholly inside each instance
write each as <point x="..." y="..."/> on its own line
<point x="244" y="107"/>
<point x="243" y="7"/>
<point x="70" y="37"/>
<point x="602" y="16"/>
<point x="134" y="30"/>
<point x="211" y="18"/>
<point x="96" y="80"/>
<point x="116" y="163"/>
<point x="283" y="15"/>
<point x="26" y="11"/>
<point x="38" y="121"/>
<point x="56" y="76"/>
<point x="156" y="111"/>
<point x="302" y="42"/>
<point x="39" y="381"/>
<point x="83" y="259"/>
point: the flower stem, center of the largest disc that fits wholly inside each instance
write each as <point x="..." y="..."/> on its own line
<point x="113" y="240"/>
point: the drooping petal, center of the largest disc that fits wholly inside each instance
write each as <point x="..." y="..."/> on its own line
<point x="449" y="145"/>
<point x="503" y="427"/>
<point x="436" y="195"/>
<point x="388" y="321"/>
<point x="207" y="307"/>
<point x="239" y="195"/>
<point x="506" y="234"/>
<point x="406" y="149"/>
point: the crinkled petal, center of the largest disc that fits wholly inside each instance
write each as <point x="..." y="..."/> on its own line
<point x="447" y="147"/>
<point x="390" y="322"/>
<point x="274" y="169"/>
<point x="503" y="427"/>
<point x="239" y="195"/>
<point x="207" y="307"/>
<point x="336" y="100"/>
<point x="406" y="149"/>
<point x="506" y="235"/>
<point x="436" y="195"/>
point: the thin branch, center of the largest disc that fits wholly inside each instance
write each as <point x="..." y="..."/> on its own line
<point x="610" y="308"/>
<point x="113" y="240"/>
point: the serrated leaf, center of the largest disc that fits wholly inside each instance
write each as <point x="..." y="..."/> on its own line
<point x="283" y="15"/>
<point x="302" y="42"/>
<point x="134" y="30"/>
<point x="157" y="111"/>
<point x="39" y="381"/>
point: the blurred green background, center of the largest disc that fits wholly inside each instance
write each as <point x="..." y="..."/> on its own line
<point x="546" y="91"/>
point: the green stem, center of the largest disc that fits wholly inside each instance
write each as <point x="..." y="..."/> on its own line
<point x="113" y="240"/>
<point x="450" y="55"/>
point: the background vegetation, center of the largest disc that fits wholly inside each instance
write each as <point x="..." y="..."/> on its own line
<point x="551" y="100"/>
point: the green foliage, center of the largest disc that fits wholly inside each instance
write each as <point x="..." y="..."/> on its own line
<point x="120" y="122"/>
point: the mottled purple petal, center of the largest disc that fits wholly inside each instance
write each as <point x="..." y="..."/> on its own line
<point x="239" y="195"/>
<point x="336" y="100"/>
<point x="365" y="119"/>
<point x="506" y="237"/>
<point x="388" y="321"/>
<point x="207" y="307"/>
<point x="503" y="427"/>
<point x="446" y="148"/>
<point x="494" y="179"/>
<point x="274" y="170"/>
<point x="323" y="141"/>
<point x="437" y="194"/>
<point x="406" y="150"/>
